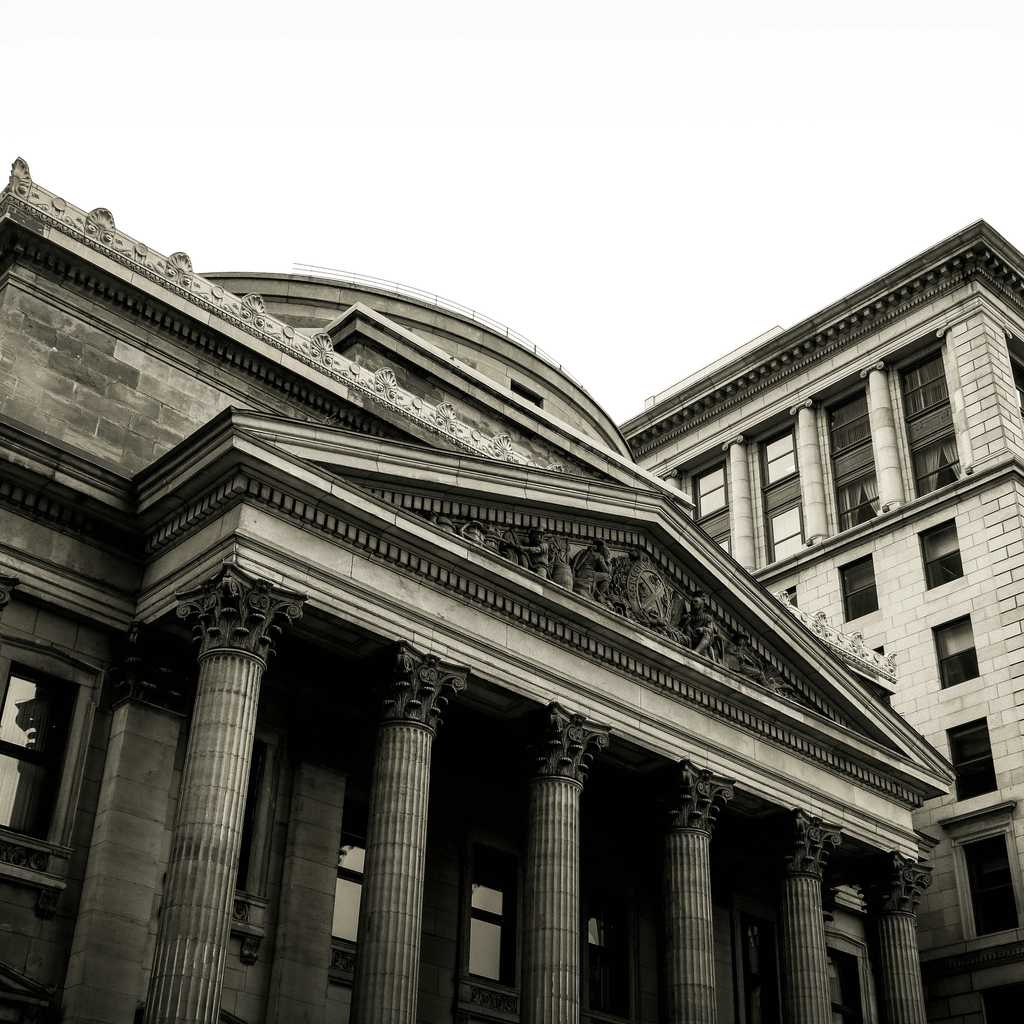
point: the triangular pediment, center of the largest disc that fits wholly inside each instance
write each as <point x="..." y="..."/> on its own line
<point x="621" y="567"/>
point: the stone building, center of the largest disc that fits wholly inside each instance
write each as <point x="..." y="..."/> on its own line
<point x="352" y="669"/>
<point x="867" y="465"/>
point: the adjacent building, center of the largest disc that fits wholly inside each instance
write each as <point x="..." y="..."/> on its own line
<point x="352" y="669"/>
<point x="866" y="466"/>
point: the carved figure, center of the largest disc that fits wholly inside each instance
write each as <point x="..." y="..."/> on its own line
<point x="701" y="628"/>
<point x="535" y="554"/>
<point x="741" y="657"/>
<point x="561" y="571"/>
<point x="592" y="571"/>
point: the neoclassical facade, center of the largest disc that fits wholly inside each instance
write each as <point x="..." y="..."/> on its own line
<point x="354" y="670"/>
<point x="866" y="465"/>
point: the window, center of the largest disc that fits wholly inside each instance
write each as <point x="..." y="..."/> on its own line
<point x="779" y="458"/>
<point x="528" y="393"/>
<point x="34" y="715"/>
<point x="958" y="660"/>
<point x="709" y="490"/>
<point x="607" y="953"/>
<point x="988" y="874"/>
<point x="711" y="497"/>
<point x="492" y="908"/>
<point x="783" y="516"/>
<point x="941" y="555"/>
<point x="930" y="425"/>
<point x="853" y="462"/>
<point x="971" y="754"/>
<point x="858" y="583"/>
<point x="348" y="888"/>
<point x="844" y="988"/>
<point x="1018" y="382"/>
<point x="256" y="769"/>
<point x="760" y="977"/>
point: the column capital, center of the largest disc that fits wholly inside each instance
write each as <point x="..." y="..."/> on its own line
<point x="878" y="366"/>
<point x="811" y="841"/>
<point x="568" y="744"/>
<point x="897" y="884"/>
<point x="234" y="610"/>
<point x="738" y="439"/>
<point x="806" y="404"/>
<point x="696" y="797"/>
<point x="7" y="585"/>
<point x="420" y="688"/>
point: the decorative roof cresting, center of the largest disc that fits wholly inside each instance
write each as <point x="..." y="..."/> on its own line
<point x="97" y="230"/>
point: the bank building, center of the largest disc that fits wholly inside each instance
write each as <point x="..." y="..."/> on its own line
<point x="356" y="667"/>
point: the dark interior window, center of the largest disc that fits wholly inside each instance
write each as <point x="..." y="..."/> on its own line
<point x="492" y="912"/>
<point x="971" y="753"/>
<point x="941" y="555"/>
<point x="608" y="949"/>
<point x="853" y="462"/>
<point x="348" y="887"/>
<point x="958" y="660"/>
<point x="930" y="425"/>
<point x="860" y="596"/>
<point x="34" y="716"/>
<point x="992" y="896"/>
<point x="760" y="974"/>
<point x="844" y="988"/>
<point x="256" y="768"/>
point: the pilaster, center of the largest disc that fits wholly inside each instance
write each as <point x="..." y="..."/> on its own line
<point x="741" y="507"/>
<point x="812" y="477"/>
<point x="884" y="443"/>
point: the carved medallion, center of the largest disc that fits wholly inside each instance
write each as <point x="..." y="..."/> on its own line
<point x="649" y="596"/>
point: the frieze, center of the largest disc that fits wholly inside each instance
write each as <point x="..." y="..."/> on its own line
<point x="547" y="624"/>
<point x="248" y="313"/>
<point x="21" y="856"/>
<point x="625" y="581"/>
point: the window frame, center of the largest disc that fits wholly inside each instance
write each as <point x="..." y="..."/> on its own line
<point x="937" y="436"/>
<point x="697" y="476"/>
<point x="861" y="448"/>
<point x="972" y="893"/>
<point x="924" y="536"/>
<point x="513" y="918"/>
<point x="628" y="953"/>
<point x="943" y="661"/>
<point x="353" y="833"/>
<point x="956" y="733"/>
<point x="766" y="464"/>
<point x="770" y="518"/>
<point x="849" y="594"/>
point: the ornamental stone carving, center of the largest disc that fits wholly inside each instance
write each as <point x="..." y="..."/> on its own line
<point x="698" y="795"/>
<point x="20" y="182"/>
<point x="236" y="611"/>
<point x="812" y="842"/>
<point x="7" y="585"/>
<point x="568" y="744"/>
<point x="421" y="688"/>
<point x="898" y="885"/>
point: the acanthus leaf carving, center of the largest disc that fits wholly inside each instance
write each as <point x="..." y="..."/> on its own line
<point x="567" y="744"/>
<point x="20" y="182"/>
<point x="812" y="840"/>
<point x="421" y="687"/>
<point x="7" y="586"/>
<point x="898" y="884"/>
<point x="697" y="797"/>
<point x="237" y="611"/>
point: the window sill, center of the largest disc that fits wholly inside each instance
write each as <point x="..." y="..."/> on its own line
<point x="36" y="864"/>
<point x="488" y="999"/>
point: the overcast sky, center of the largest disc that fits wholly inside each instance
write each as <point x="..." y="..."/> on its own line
<point x="636" y="187"/>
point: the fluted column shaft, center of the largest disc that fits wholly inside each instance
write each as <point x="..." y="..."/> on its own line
<point x="741" y="508"/>
<point x="565" y="745"/>
<point x="901" y="993"/>
<point x="391" y="910"/>
<point x="812" y="477"/>
<point x="236" y="616"/>
<point x="806" y="998"/>
<point x="551" y="947"/>
<point x="195" y="916"/>
<point x="893" y="894"/>
<point x="885" y="446"/>
<point x="806" y="985"/>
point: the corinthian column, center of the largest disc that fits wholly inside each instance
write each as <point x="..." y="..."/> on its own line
<point x="804" y="957"/>
<point x="391" y="911"/>
<point x="7" y="585"/>
<point x="812" y="477"/>
<point x="236" y="617"/>
<point x="884" y="445"/>
<point x="690" y="938"/>
<point x="893" y="899"/>
<point x="551" y="933"/>
<point x="741" y="508"/>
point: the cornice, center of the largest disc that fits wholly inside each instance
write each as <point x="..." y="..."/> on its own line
<point x="592" y="633"/>
<point x="979" y="253"/>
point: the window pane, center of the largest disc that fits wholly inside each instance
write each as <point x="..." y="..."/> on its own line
<point x="26" y="714"/>
<point x="850" y="424"/>
<point x="347" y="895"/>
<point x="486" y="898"/>
<point x="608" y="960"/>
<point x="485" y="949"/>
<point x="711" y="481"/>
<point x="954" y="638"/>
<point x="988" y="871"/>
<point x="936" y="465"/>
<point x="23" y="794"/>
<point x="924" y="386"/>
<point x="787" y="537"/>
<point x="351" y="858"/>
<point x="780" y="458"/>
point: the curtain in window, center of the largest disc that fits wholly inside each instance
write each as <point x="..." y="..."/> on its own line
<point x="931" y="460"/>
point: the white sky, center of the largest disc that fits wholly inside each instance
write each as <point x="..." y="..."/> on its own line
<point x="637" y="187"/>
